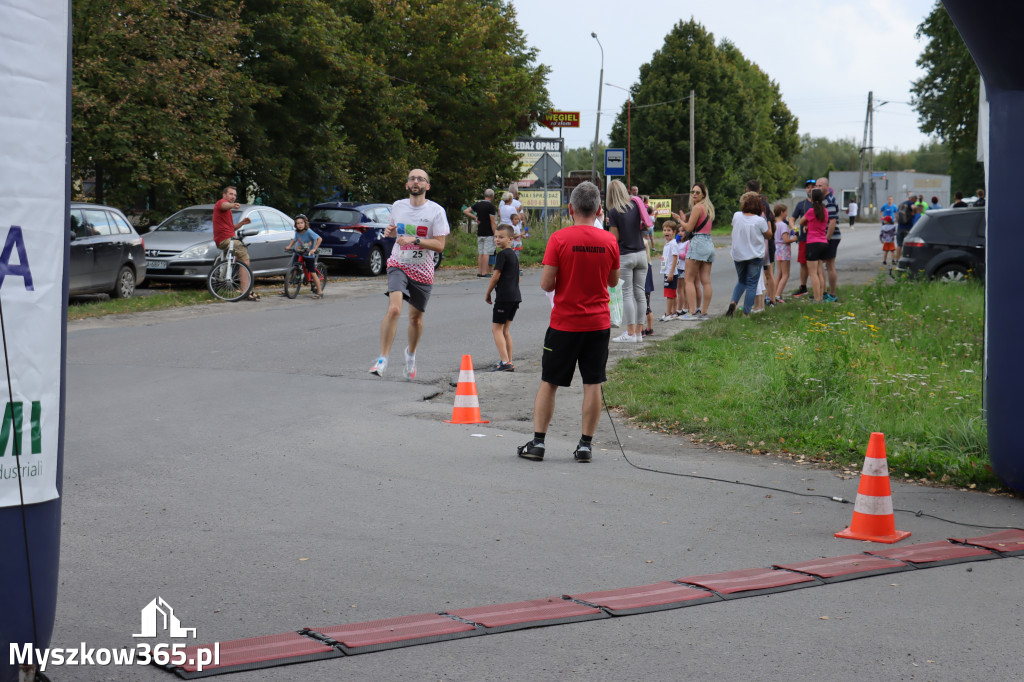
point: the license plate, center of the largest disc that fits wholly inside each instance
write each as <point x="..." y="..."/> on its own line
<point x="325" y="252"/>
<point x="156" y="264"/>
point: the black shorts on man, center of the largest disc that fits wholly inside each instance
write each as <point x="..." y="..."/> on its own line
<point x="564" y="350"/>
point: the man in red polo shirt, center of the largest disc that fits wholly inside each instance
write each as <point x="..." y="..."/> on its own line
<point x="580" y="263"/>
<point x="224" y="229"/>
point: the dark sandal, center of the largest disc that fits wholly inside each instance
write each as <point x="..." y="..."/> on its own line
<point x="318" y="296"/>
<point x="253" y="296"/>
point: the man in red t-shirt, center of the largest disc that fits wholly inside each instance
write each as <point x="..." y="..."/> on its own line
<point x="224" y="229"/>
<point x="580" y="263"/>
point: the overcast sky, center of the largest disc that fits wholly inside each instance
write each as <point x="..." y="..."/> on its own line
<point x="825" y="57"/>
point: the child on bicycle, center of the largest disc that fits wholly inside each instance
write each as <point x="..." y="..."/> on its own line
<point x="305" y="243"/>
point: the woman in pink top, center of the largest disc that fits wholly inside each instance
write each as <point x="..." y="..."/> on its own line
<point x="701" y="253"/>
<point x="819" y="231"/>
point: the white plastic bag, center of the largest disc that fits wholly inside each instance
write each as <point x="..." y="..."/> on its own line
<point x="615" y="303"/>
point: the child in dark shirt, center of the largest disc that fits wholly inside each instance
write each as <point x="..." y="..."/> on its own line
<point x="505" y="285"/>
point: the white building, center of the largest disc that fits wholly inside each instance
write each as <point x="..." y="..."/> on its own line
<point x="885" y="183"/>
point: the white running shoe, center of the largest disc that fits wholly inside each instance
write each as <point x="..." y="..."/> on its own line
<point x="625" y="337"/>
<point x="410" y="365"/>
<point x="689" y="317"/>
<point x="379" y="366"/>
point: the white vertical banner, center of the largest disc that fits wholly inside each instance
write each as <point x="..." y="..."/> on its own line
<point x="34" y="90"/>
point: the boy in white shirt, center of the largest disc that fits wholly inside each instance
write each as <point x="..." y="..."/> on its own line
<point x="669" y="265"/>
<point x="682" y="248"/>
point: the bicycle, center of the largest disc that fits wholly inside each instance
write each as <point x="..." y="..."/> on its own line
<point x="224" y="281"/>
<point x="300" y="274"/>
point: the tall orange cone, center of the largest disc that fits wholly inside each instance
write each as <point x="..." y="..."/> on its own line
<point x="873" y="518"/>
<point x="467" y="405"/>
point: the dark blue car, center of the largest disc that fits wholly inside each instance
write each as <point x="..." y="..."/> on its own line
<point x="353" y="233"/>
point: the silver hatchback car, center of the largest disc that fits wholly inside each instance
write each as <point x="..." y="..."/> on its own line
<point x="181" y="248"/>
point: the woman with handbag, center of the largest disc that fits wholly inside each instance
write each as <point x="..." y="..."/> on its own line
<point x="627" y="222"/>
<point x="701" y="254"/>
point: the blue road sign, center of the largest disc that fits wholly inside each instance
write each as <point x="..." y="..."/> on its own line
<point x="614" y="162"/>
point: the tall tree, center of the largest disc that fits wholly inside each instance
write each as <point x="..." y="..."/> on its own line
<point x="325" y="117"/>
<point x="946" y="97"/>
<point x="470" y="82"/>
<point x="153" y="85"/>
<point x="743" y="129"/>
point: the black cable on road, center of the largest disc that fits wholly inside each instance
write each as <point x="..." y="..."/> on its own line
<point x="833" y="498"/>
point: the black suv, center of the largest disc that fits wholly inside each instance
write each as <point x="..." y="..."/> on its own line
<point x="946" y="244"/>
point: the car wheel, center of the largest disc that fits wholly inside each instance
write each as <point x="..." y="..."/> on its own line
<point x="124" y="286"/>
<point x="952" y="272"/>
<point x="375" y="263"/>
<point x="438" y="257"/>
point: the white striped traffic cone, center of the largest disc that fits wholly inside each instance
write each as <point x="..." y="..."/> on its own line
<point x="873" y="518"/>
<point x="467" y="405"/>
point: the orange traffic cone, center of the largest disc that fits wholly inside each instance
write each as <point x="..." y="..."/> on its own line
<point x="467" y="406"/>
<point x="873" y="518"/>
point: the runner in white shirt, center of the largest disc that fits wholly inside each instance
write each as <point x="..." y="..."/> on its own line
<point x="421" y="226"/>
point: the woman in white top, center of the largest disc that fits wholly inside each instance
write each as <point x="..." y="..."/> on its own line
<point x="749" y="230"/>
<point x="506" y="209"/>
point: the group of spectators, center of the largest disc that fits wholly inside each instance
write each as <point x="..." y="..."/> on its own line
<point x="898" y="220"/>
<point x="762" y="239"/>
<point x="488" y="216"/>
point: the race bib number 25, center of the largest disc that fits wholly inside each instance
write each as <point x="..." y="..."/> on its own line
<point x="411" y="255"/>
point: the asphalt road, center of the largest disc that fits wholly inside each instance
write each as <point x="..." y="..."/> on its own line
<point x="238" y="461"/>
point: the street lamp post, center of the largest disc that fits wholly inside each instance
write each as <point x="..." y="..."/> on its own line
<point x="597" y="128"/>
<point x="629" y="115"/>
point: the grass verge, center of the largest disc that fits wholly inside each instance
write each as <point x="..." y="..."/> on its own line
<point x="83" y="307"/>
<point x="815" y="380"/>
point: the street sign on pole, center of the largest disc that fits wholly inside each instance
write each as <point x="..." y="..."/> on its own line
<point x="614" y="162"/>
<point x="560" y="119"/>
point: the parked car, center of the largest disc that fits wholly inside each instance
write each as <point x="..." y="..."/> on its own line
<point x="181" y="248"/>
<point x="946" y="244"/>
<point x="107" y="254"/>
<point x="354" y="233"/>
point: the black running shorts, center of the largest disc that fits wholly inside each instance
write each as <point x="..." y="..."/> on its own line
<point x="564" y="350"/>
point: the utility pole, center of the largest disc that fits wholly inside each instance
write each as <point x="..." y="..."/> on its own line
<point x="597" y="128"/>
<point x="693" y="168"/>
<point x="864" y="145"/>
<point x="871" y="162"/>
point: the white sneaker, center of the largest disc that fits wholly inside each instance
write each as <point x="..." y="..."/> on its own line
<point x="379" y="366"/>
<point x="666" y="318"/>
<point x="625" y="337"/>
<point x="410" y="365"/>
<point x="689" y="317"/>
